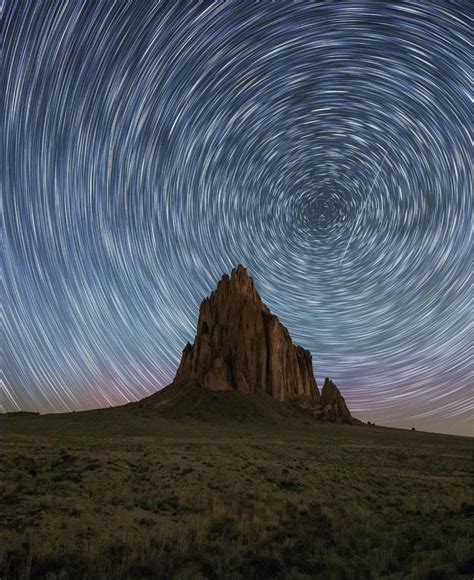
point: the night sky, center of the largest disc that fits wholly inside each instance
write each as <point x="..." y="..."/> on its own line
<point x="149" y="148"/>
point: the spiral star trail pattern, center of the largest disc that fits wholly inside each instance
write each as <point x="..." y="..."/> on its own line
<point x="151" y="147"/>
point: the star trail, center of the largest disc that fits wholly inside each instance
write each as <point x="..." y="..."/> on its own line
<point x="151" y="147"/>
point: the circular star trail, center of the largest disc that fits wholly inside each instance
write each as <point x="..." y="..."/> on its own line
<point x="149" y="148"/>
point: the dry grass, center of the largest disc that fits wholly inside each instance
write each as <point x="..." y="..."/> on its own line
<point x="241" y="500"/>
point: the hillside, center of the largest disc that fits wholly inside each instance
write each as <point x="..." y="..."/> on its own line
<point x="131" y="493"/>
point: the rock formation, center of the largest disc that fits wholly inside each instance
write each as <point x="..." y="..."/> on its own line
<point x="240" y="345"/>
<point x="333" y="404"/>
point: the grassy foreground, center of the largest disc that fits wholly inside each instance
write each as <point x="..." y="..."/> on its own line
<point x="124" y="493"/>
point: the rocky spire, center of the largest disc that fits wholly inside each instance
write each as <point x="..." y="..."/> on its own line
<point x="333" y="403"/>
<point x="240" y="345"/>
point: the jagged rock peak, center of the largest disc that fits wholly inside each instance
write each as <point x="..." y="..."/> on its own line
<point x="238" y="282"/>
<point x="332" y="401"/>
<point x="240" y="345"/>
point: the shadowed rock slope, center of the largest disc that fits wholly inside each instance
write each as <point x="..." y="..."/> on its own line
<point x="241" y="348"/>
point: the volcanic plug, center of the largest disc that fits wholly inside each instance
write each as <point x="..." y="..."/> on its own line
<point x="240" y="345"/>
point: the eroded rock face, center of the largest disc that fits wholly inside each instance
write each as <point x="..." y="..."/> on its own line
<point x="333" y="403"/>
<point x="241" y="345"/>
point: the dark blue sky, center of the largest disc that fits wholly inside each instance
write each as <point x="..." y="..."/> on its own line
<point x="150" y="148"/>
